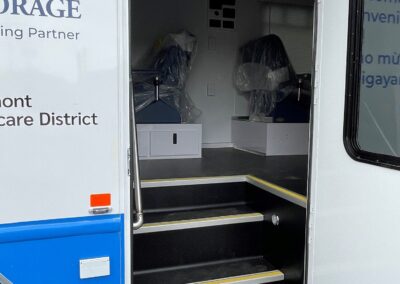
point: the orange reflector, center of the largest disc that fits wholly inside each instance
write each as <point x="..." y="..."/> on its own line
<point x="100" y="200"/>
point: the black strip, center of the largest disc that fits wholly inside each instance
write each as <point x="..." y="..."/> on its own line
<point x="229" y="24"/>
<point x="215" y="23"/>
<point x="351" y="115"/>
<point x="215" y="4"/>
<point x="229" y="13"/>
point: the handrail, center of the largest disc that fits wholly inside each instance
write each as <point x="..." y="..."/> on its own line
<point x="134" y="163"/>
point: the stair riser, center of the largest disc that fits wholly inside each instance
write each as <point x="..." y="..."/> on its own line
<point x="285" y="244"/>
<point x="175" y="248"/>
<point x="193" y="196"/>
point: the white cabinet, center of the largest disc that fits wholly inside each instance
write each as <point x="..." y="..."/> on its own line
<point x="169" y="141"/>
<point x="143" y="142"/>
<point x="271" y="139"/>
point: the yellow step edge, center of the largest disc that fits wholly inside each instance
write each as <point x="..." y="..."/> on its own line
<point x="246" y="178"/>
<point x="250" y="277"/>
<point x="192" y="178"/>
<point x="238" y="216"/>
<point x="280" y="189"/>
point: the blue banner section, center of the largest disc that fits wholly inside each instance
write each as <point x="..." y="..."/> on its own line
<point x="48" y="252"/>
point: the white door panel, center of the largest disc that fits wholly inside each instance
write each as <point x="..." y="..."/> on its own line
<point x="354" y="207"/>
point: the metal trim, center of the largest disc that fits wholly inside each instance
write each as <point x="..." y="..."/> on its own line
<point x="134" y="163"/>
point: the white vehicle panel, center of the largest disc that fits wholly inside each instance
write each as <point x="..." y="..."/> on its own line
<point x="49" y="171"/>
<point x="354" y="207"/>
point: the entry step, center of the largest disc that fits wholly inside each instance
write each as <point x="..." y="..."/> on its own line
<point x="254" y="270"/>
<point x="190" y="219"/>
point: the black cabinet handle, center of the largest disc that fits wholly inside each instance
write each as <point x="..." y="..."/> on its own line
<point x="175" y="138"/>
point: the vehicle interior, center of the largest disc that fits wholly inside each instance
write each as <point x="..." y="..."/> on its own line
<point x="222" y="92"/>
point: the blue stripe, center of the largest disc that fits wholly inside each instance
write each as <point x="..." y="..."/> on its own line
<point x="60" y="228"/>
<point x="48" y="252"/>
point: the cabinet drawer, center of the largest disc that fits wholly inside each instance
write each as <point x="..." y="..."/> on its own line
<point x="175" y="143"/>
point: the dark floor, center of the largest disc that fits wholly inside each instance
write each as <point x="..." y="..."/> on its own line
<point x="286" y="171"/>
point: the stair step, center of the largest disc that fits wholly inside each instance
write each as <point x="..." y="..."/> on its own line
<point x="190" y="219"/>
<point x="247" y="270"/>
<point x="194" y="196"/>
<point x="198" y="245"/>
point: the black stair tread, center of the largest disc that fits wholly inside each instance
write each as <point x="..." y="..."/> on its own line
<point x="151" y="218"/>
<point x="287" y="171"/>
<point x="250" y="267"/>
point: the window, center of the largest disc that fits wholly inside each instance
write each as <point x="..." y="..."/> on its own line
<point x="372" y="115"/>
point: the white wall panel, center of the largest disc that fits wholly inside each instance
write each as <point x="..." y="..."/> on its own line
<point x="50" y="171"/>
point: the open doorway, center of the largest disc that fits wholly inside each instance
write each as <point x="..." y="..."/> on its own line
<point x="222" y="92"/>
